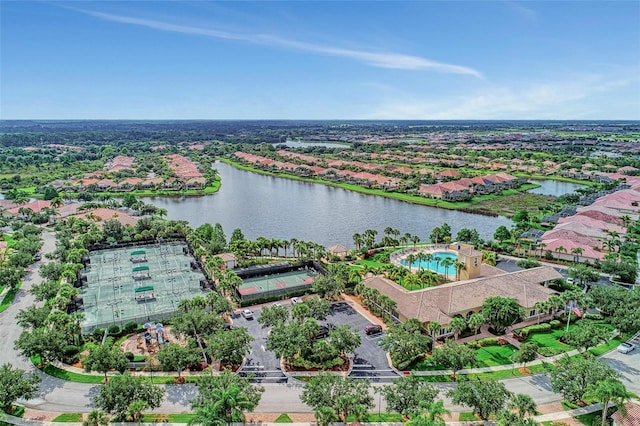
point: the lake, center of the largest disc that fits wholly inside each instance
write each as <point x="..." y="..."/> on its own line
<point x="554" y="187"/>
<point x="274" y="207"/>
<point x="305" y="144"/>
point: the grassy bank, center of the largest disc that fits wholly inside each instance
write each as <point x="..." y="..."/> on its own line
<point x="486" y="204"/>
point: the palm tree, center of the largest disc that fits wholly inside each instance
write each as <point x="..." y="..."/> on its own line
<point x="415" y="240"/>
<point x="410" y="259"/>
<point x="540" y="308"/>
<point x="457" y="324"/>
<point x="606" y="391"/>
<point x="325" y="416"/>
<point x="576" y="254"/>
<point x="560" y="249"/>
<point x="524" y="405"/>
<point x="405" y="238"/>
<point x="434" y="327"/>
<point x="231" y="404"/>
<point x="96" y="418"/>
<point x="626" y="220"/>
<point x="446" y="262"/>
<point x="434" y="414"/>
<point x="459" y="267"/>
<point x="476" y="321"/>
<point x="428" y="257"/>
<point x="419" y="257"/>
<point x="207" y="415"/>
<point x="438" y="259"/>
<point x="358" y="240"/>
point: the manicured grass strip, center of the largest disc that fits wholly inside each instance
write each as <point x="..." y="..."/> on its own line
<point x="8" y="298"/>
<point x="71" y="376"/>
<point x="588" y="419"/>
<point x="489" y="356"/>
<point x="18" y="411"/>
<point x="69" y="417"/>
<point x="283" y="418"/>
<point x="164" y="418"/>
<point x="604" y="348"/>
<point x="467" y="416"/>
<point x="550" y="340"/>
<point x="385" y="418"/>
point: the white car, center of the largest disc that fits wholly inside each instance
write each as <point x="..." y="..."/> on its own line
<point x="295" y="300"/>
<point x="247" y="313"/>
<point x="625" y="348"/>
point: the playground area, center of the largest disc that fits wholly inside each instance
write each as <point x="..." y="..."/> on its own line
<point x="142" y="284"/>
<point x="273" y="284"/>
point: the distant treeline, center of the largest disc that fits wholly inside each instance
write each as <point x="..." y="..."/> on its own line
<point x="17" y="133"/>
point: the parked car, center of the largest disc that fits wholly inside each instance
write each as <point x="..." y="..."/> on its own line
<point x="625" y="348"/>
<point x="373" y="329"/>
<point x="37" y="257"/>
<point x="295" y="300"/>
<point x="324" y="332"/>
<point x="247" y="313"/>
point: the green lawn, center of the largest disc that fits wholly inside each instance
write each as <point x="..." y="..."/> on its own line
<point x="171" y="418"/>
<point x="489" y="356"/>
<point x="69" y="417"/>
<point x="283" y="418"/>
<point x="550" y="340"/>
<point x="8" y="298"/>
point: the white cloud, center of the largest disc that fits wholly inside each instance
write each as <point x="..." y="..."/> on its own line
<point x="572" y="99"/>
<point x="377" y="59"/>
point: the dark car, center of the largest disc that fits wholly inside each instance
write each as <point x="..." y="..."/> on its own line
<point x="37" y="257"/>
<point x="373" y="329"/>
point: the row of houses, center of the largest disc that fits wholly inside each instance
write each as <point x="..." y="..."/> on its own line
<point x="465" y="188"/>
<point x="188" y="177"/>
<point x="586" y="235"/>
<point x="361" y="178"/>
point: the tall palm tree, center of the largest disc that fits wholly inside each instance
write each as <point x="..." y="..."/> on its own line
<point x="457" y="324"/>
<point x="459" y="267"/>
<point x="358" y="240"/>
<point x="434" y="327"/>
<point x="420" y="257"/>
<point x="446" y="262"/>
<point x="476" y="321"/>
<point x="606" y="391"/>
<point x="524" y="405"/>
<point x="577" y="251"/>
<point x="415" y="240"/>
<point x="410" y="259"/>
<point x="540" y="308"/>
<point x="438" y="259"/>
<point x="428" y="257"/>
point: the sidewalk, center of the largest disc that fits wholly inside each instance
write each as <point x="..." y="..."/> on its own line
<point x="560" y="415"/>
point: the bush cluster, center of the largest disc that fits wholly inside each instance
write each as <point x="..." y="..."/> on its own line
<point x="535" y="328"/>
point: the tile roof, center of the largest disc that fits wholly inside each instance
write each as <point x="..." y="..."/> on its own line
<point x="441" y="303"/>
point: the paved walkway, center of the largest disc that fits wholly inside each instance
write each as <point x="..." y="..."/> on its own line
<point x="557" y="416"/>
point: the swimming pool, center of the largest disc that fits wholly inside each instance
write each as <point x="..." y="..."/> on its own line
<point x="435" y="264"/>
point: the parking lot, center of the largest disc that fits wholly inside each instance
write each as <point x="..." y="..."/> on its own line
<point x="370" y="361"/>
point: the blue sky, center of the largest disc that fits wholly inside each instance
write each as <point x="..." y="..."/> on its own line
<point x="320" y="60"/>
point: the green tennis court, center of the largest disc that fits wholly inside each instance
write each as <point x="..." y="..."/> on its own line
<point x="138" y="284"/>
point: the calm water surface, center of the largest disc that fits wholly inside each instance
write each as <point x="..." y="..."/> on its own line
<point x="554" y="187"/>
<point x="281" y="208"/>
